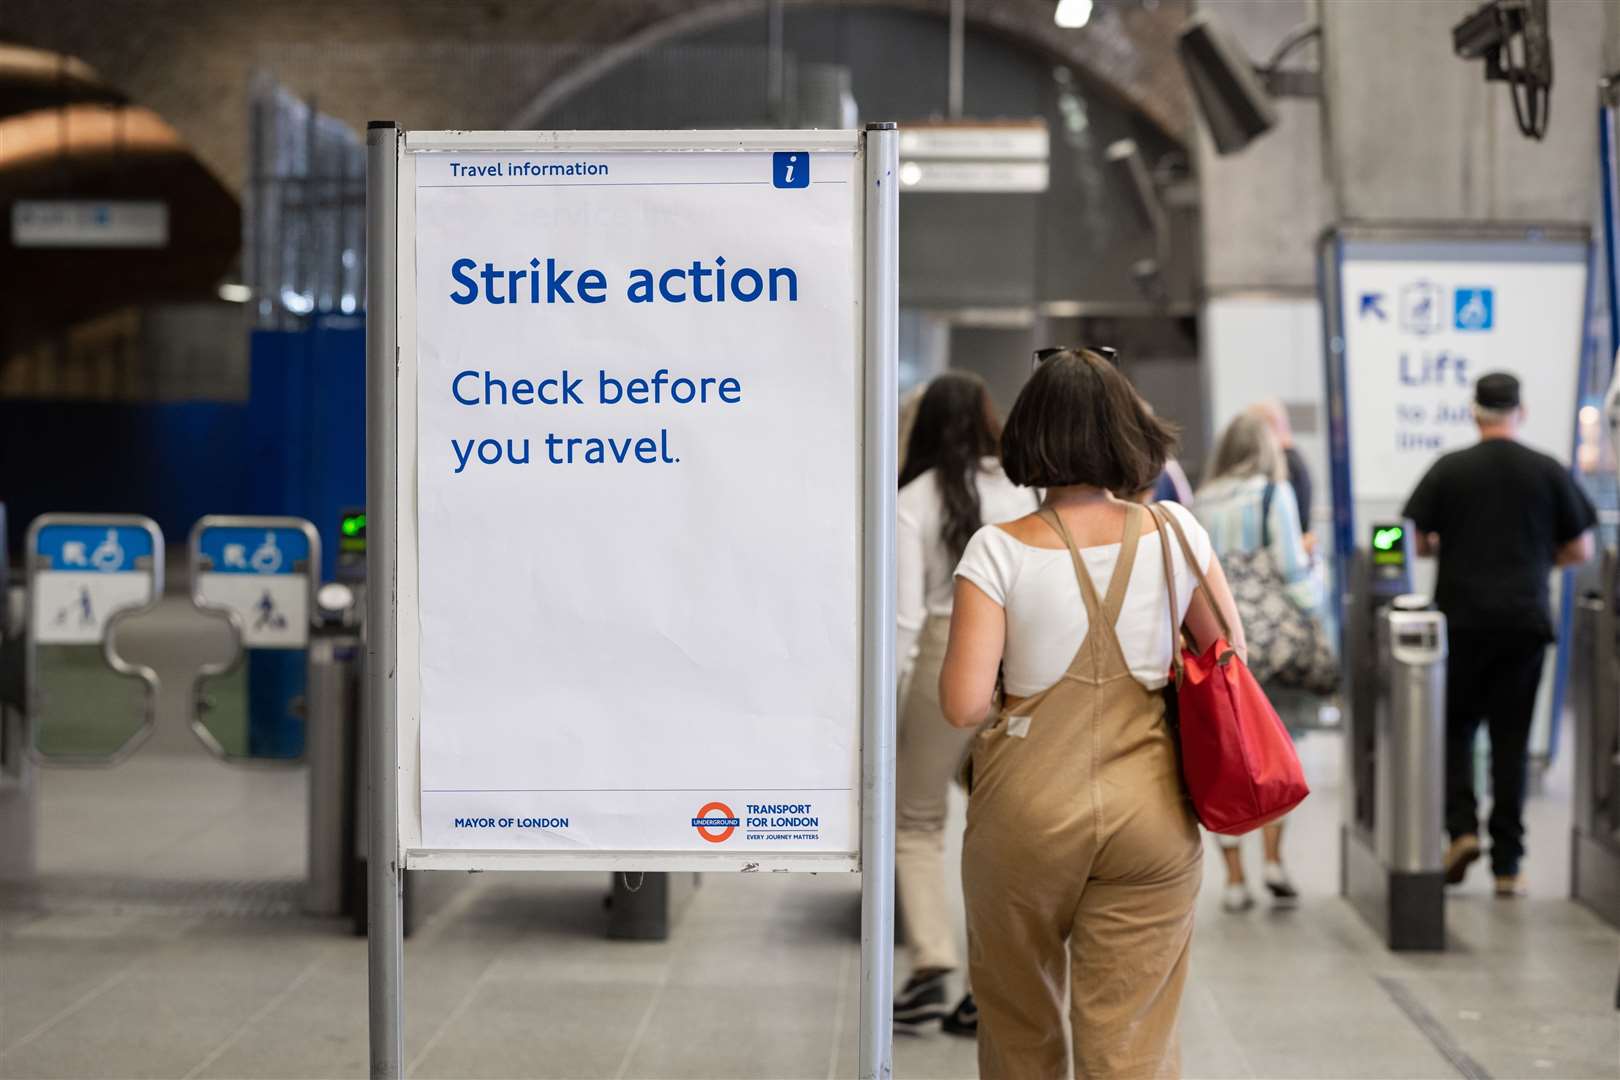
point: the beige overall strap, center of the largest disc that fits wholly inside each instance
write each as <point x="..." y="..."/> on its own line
<point x="1115" y="600"/>
<point x="1088" y="590"/>
<point x="1100" y="623"/>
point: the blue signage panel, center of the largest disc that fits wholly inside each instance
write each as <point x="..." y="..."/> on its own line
<point x="110" y="549"/>
<point x="1474" y="308"/>
<point x="234" y="549"/>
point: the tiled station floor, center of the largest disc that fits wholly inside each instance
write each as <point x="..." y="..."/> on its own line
<point x="164" y="941"/>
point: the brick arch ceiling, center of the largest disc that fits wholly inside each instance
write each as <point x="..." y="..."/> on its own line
<point x="1127" y="51"/>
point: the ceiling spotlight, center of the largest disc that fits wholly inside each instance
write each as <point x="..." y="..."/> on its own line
<point x="1072" y="14"/>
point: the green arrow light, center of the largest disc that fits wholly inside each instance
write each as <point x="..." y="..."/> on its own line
<point x="354" y="525"/>
<point x="1387" y="539"/>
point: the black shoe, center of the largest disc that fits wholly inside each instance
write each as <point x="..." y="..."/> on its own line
<point x="1283" y="893"/>
<point x="963" y="1020"/>
<point x="921" y="1000"/>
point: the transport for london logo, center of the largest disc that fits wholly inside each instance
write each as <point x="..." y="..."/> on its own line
<point x="715" y="822"/>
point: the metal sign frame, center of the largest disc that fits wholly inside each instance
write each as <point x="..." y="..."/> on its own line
<point x="117" y="663"/>
<point x="391" y="555"/>
<point x="212" y="671"/>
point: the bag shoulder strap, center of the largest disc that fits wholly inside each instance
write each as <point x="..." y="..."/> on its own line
<point x="1088" y="589"/>
<point x="1265" y="513"/>
<point x="1198" y="572"/>
<point x="1177" y="667"/>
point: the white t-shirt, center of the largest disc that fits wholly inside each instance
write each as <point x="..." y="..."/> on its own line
<point x="923" y="581"/>
<point x="1046" y="615"/>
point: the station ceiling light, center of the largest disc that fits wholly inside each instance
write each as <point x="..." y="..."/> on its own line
<point x="1072" y="14"/>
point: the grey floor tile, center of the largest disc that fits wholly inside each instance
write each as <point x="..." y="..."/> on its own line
<point x="757" y="1031"/>
<point x="512" y="1028"/>
<point x="310" y="1033"/>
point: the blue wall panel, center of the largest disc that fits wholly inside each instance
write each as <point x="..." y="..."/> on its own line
<point x="296" y="447"/>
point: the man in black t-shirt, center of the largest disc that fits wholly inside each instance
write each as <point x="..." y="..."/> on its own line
<point x="1500" y="516"/>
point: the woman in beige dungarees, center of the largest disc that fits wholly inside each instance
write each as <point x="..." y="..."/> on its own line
<point x="1081" y="859"/>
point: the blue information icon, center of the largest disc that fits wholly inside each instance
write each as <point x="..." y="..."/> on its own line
<point x="790" y="169"/>
<point x="1473" y="308"/>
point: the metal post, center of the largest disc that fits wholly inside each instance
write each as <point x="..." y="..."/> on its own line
<point x="953" y="80"/>
<point x="882" y="351"/>
<point x="385" y="942"/>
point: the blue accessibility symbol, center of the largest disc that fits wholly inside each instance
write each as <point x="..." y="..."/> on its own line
<point x="109" y="549"/>
<point x="790" y="169"/>
<point x="239" y="549"/>
<point x="1474" y="308"/>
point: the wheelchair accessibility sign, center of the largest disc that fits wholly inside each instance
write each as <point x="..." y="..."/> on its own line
<point x="1473" y="308"/>
<point x="83" y="570"/>
<point x="262" y="570"/>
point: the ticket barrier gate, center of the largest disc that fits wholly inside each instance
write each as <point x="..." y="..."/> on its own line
<point x="336" y="652"/>
<point x="16" y="770"/>
<point x="1391" y="848"/>
<point x="289" y="693"/>
<point x="1595" y="834"/>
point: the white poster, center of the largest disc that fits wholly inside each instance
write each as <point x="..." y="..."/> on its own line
<point x="1422" y="322"/>
<point x="638" y="468"/>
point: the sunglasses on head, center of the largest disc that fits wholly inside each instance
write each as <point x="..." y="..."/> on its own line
<point x="1107" y="352"/>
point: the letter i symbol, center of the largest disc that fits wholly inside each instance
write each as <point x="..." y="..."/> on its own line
<point x="787" y="171"/>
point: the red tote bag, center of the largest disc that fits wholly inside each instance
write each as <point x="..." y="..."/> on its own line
<point x="1236" y="757"/>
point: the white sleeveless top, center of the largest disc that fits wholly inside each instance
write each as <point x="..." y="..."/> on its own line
<point x="1046" y="615"/>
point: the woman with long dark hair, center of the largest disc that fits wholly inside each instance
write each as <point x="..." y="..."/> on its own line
<point x="950" y="485"/>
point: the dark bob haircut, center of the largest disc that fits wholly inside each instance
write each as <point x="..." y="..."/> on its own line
<point x="1079" y="421"/>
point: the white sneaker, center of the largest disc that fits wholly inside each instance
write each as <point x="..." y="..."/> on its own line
<point x="1283" y="893"/>
<point x="1236" y="898"/>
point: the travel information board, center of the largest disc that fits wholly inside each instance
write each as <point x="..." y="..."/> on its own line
<point x="631" y="391"/>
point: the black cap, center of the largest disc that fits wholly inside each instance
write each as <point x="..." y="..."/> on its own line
<point x="1497" y="390"/>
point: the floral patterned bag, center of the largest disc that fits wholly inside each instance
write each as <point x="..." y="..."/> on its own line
<point x="1288" y="645"/>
